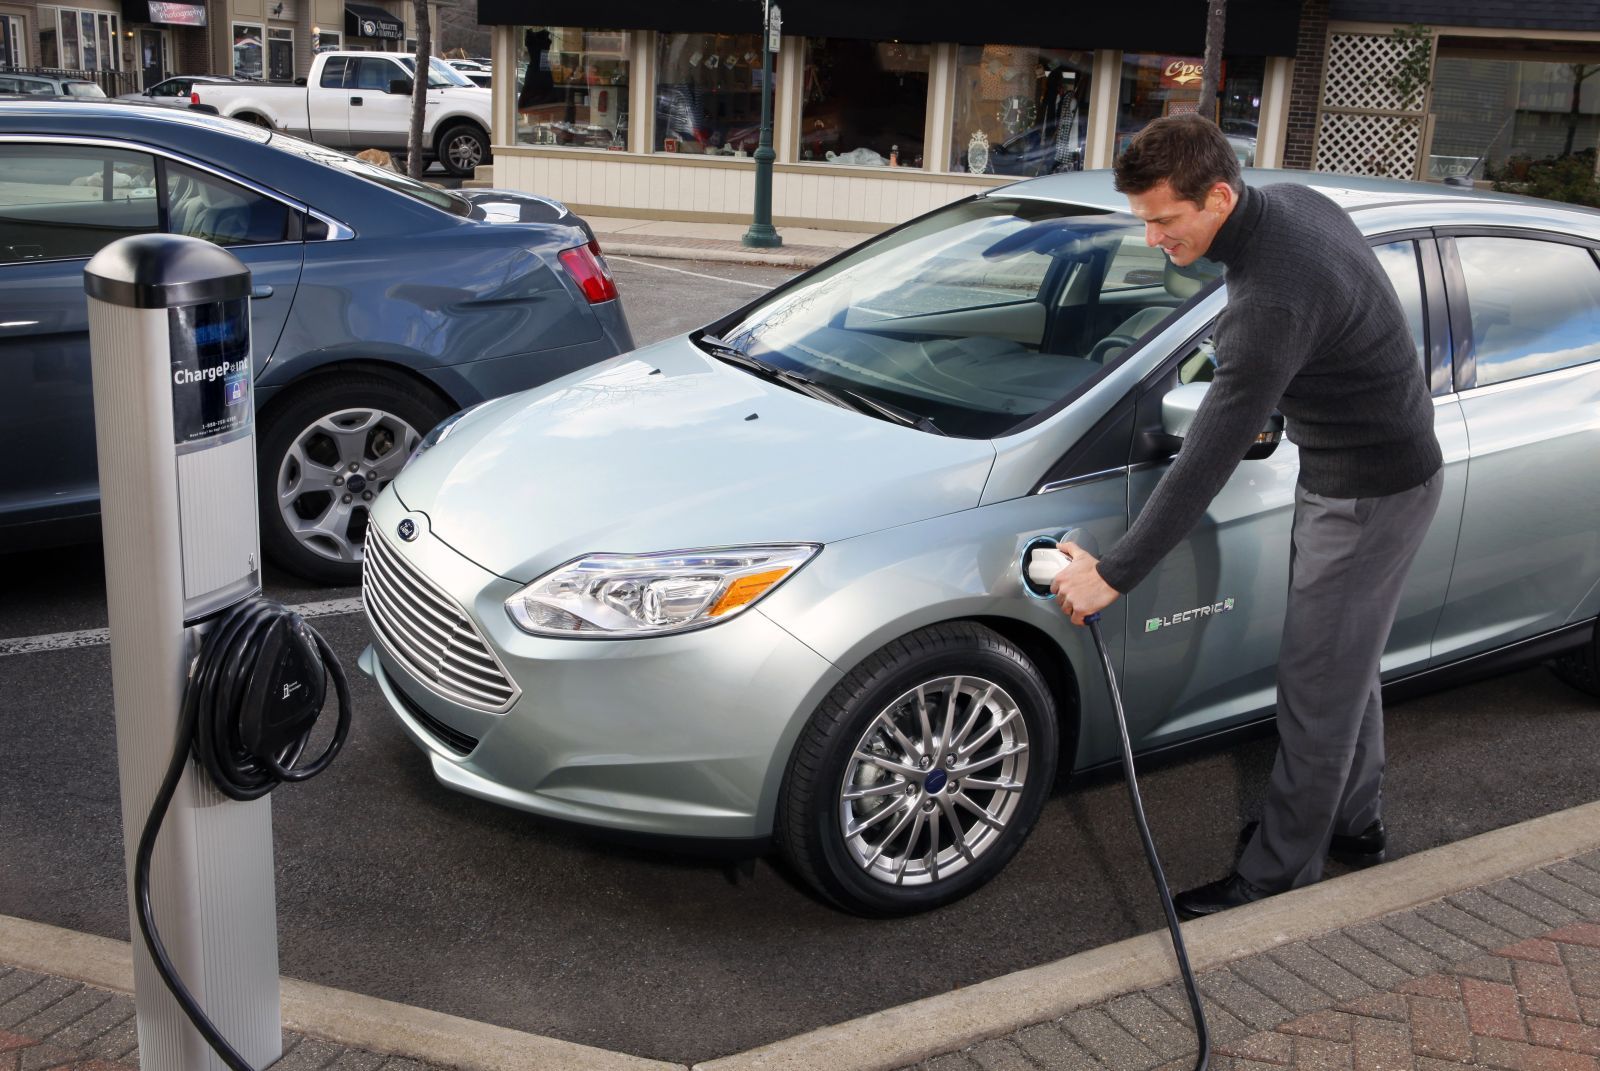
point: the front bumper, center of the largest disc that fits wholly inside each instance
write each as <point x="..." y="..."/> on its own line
<point x="681" y="736"/>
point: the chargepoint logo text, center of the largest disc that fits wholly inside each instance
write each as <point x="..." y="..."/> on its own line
<point x="183" y="377"/>
<point x="1156" y="624"/>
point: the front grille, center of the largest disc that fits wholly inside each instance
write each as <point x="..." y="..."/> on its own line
<point x="429" y="634"/>
<point x="453" y="739"/>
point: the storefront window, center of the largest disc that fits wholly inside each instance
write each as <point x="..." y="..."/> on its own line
<point x="280" y="55"/>
<point x="13" y="53"/>
<point x="247" y="54"/>
<point x="708" y="93"/>
<point x="572" y="87"/>
<point x="1020" y="110"/>
<point x="1154" y="85"/>
<point x="327" y="41"/>
<point x="1495" y="117"/>
<point x="865" y="102"/>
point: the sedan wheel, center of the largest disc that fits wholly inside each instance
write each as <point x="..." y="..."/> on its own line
<point x="922" y="772"/>
<point x="324" y="460"/>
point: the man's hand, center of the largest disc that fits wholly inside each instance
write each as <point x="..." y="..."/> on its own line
<point x="1078" y="587"/>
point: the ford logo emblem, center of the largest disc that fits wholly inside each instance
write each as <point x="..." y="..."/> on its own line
<point x="407" y="529"/>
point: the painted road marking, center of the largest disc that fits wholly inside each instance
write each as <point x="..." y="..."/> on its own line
<point x="685" y="271"/>
<point x="98" y="637"/>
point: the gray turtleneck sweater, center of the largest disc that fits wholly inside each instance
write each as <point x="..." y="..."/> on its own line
<point x="1314" y="329"/>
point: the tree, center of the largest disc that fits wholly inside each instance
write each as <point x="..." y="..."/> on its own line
<point x="1216" y="22"/>
<point x="419" y="90"/>
<point x="1580" y="72"/>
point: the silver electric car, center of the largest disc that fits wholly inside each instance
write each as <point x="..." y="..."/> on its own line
<point x="765" y="580"/>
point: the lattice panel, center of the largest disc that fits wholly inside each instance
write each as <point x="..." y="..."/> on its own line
<point x="1359" y="69"/>
<point x="1385" y="146"/>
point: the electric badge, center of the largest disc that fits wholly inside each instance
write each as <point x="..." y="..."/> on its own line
<point x="1155" y="624"/>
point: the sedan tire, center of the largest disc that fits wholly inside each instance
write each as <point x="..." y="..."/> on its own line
<point x="922" y="772"/>
<point x="323" y="456"/>
<point x="1581" y="668"/>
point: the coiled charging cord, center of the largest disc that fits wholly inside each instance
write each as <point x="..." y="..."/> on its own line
<point x="254" y="694"/>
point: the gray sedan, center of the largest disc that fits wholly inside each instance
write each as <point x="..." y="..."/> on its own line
<point x="765" y="581"/>
<point x="380" y="305"/>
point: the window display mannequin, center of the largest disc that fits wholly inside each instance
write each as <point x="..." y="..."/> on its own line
<point x="538" y="90"/>
<point x="1065" y="110"/>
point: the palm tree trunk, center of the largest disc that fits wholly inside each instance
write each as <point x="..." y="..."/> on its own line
<point x="1216" y="20"/>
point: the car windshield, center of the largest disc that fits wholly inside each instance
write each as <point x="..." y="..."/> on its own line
<point x="83" y="89"/>
<point x="445" y="200"/>
<point x="439" y="72"/>
<point x="977" y="317"/>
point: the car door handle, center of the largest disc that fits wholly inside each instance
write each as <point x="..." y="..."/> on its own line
<point x="355" y="102"/>
<point x="261" y="293"/>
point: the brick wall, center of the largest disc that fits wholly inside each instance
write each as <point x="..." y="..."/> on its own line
<point x="1305" y="93"/>
<point x="191" y="46"/>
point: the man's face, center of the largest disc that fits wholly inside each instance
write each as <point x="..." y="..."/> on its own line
<point x="1181" y="228"/>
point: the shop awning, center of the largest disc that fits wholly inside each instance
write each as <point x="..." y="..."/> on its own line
<point x="164" y="12"/>
<point x="1255" y="27"/>
<point x="369" y="20"/>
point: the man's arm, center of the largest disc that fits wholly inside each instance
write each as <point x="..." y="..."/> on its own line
<point x="1259" y="349"/>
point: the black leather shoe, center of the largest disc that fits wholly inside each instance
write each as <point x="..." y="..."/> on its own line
<point x="1364" y="849"/>
<point x="1231" y="891"/>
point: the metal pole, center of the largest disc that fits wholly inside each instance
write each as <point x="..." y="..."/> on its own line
<point x="761" y="232"/>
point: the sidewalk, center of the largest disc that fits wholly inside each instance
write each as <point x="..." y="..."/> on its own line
<point x="1483" y="953"/>
<point x="678" y="240"/>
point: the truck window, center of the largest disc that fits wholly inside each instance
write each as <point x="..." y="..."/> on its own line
<point x="333" y="72"/>
<point x="376" y="74"/>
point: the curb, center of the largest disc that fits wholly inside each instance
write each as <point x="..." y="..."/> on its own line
<point x="616" y="244"/>
<point x="896" y="1037"/>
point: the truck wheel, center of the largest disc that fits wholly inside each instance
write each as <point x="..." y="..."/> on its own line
<point x="462" y="148"/>
<point x="323" y="455"/>
<point x="921" y="773"/>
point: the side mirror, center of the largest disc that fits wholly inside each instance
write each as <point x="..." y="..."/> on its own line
<point x="401" y="86"/>
<point x="1178" y="411"/>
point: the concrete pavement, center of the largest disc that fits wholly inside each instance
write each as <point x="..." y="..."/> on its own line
<point x="677" y="240"/>
<point x="1482" y="953"/>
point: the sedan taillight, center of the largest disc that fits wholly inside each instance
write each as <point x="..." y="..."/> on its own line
<point x="588" y="269"/>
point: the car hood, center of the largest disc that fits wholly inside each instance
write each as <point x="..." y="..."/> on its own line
<point x="667" y="448"/>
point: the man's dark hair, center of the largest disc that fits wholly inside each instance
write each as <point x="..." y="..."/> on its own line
<point x="1188" y="151"/>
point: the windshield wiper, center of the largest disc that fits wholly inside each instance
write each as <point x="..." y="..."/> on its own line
<point x="840" y="396"/>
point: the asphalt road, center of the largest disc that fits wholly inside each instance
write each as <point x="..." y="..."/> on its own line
<point x="390" y="885"/>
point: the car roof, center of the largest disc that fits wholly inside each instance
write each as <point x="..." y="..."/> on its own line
<point x="113" y="112"/>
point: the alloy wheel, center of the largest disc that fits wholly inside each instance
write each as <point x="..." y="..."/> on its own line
<point x="331" y="473"/>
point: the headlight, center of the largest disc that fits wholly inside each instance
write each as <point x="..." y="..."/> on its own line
<point x="441" y="431"/>
<point x="652" y="594"/>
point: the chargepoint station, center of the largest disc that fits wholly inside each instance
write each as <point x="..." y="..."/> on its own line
<point x="215" y="689"/>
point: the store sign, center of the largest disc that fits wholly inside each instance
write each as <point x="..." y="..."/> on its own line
<point x="1178" y="72"/>
<point x="175" y="14"/>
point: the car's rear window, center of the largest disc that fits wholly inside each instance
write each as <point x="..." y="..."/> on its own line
<point x="444" y="200"/>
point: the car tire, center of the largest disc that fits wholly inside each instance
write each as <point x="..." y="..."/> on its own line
<point x="901" y="855"/>
<point x="462" y="148"/>
<point x="324" y="453"/>
<point x="1581" y="668"/>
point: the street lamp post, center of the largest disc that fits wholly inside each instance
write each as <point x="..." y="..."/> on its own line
<point x="761" y="232"/>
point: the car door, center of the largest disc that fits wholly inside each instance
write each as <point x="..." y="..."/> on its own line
<point x="378" y="119"/>
<point x="59" y="205"/>
<point x="1204" y="627"/>
<point x="254" y="226"/>
<point x="1527" y="308"/>
<point x="328" y="103"/>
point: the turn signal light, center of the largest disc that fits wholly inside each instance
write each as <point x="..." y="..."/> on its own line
<point x="588" y="269"/>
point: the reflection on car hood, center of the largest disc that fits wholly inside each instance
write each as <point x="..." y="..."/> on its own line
<point x="667" y="449"/>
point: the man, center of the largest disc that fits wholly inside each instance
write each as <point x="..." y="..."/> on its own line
<point x="1313" y="328"/>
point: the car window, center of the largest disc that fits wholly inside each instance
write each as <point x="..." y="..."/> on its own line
<point x="65" y="201"/>
<point x="1535" y="306"/>
<point x="1134" y="265"/>
<point x="376" y="74"/>
<point x="84" y="89"/>
<point x="978" y="317"/>
<point x="333" y="72"/>
<point x="202" y="205"/>
<point x="1400" y="263"/>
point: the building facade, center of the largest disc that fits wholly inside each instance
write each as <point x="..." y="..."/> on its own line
<point x="881" y="111"/>
<point x="127" y="45"/>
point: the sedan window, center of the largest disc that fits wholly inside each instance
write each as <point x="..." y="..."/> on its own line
<point x="59" y="201"/>
<point x="1535" y="306"/>
<point x="205" y="206"/>
<point x="977" y="317"/>
<point x="1399" y="262"/>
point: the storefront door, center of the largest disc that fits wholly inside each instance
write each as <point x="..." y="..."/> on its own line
<point x="153" y="53"/>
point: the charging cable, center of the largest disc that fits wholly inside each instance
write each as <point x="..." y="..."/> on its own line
<point x="1043" y="563"/>
<point x="254" y="694"/>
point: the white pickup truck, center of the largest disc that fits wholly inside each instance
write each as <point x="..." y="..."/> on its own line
<point x="362" y="100"/>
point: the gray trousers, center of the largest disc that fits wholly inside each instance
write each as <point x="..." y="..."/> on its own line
<point x="1348" y="563"/>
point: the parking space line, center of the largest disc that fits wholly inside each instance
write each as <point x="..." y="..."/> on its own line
<point x="97" y="637"/>
<point x="684" y="271"/>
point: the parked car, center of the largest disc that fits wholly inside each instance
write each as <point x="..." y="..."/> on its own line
<point x="765" y="580"/>
<point x="175" y="92"/>
<point x="380" y="305"/>
<point x="49" y="85"/>
<point x="362" y="100"/>
<point x="481" y="79"/>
